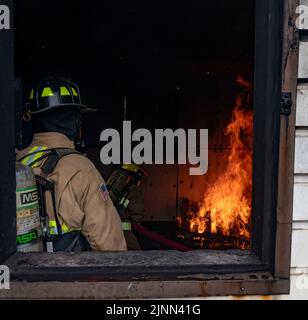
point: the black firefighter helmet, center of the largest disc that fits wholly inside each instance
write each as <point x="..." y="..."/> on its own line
<point x="55" y="92"/>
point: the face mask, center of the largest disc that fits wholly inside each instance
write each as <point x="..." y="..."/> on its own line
<point x="65" y="120"/>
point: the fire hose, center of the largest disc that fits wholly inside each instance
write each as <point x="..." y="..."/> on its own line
<point x="159" y="238"/>
<point x="120" y="184"/>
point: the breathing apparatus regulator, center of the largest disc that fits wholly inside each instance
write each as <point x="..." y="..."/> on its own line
<point x="121" y="183"/>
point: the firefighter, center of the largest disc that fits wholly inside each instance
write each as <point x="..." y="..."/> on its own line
<point x="79" y="211"/>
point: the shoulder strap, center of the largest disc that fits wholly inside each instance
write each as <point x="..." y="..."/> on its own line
<point x="44" y="151"/>
<point x="53" y="156"/>
<point x="53" y="159"/>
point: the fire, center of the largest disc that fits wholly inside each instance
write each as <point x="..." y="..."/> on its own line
<point x="226" y="205"/>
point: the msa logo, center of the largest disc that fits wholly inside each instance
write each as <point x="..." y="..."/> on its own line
<point x="4" y="278"/>
<point x="4" y="17"/>
<point x="28" y="197"/>
<point x="26" y="238"/>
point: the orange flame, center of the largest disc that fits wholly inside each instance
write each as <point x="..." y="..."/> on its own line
<point x="226" y="205"/>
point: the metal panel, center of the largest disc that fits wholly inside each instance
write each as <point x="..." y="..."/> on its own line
<point x="156" y="200"/>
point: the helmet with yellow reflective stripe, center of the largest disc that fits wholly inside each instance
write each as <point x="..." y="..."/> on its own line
<point x="55" y="92"/>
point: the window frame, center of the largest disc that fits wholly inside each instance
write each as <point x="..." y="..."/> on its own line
<point x="268" y="272"/>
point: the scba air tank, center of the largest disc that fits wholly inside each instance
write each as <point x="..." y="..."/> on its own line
<point x="29" y="234"/>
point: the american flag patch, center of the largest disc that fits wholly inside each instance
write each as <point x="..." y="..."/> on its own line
<point x="104" y="191"/>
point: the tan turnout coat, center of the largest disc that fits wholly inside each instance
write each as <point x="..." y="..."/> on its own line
<point x="79" y="202"/>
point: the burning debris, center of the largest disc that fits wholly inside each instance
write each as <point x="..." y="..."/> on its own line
<point x="224" y="213"/>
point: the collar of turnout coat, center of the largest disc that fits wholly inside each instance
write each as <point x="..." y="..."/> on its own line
<point x="52" y="140"/>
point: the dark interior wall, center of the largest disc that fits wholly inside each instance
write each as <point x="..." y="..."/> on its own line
<point x="175" y="61"/>
<point x="7" y="161"/>
<point x="144" y="50"/>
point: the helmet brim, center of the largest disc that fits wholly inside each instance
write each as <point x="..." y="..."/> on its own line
<point x="82" y="108"/>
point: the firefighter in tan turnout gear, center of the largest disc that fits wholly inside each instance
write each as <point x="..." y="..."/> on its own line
<point x="79" y="212"/>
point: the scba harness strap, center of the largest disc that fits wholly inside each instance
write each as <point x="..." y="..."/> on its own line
<point x="56" y="237"/>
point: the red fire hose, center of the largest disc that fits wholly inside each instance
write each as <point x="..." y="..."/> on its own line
<point x="161" y="239"/>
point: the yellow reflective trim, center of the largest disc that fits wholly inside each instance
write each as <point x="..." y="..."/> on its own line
<point x="74" y="92"/>
<point x="65" y="228"/>
<point x="64" y="91"/>
<point x="52" y="223"/>
<point x="130" y="167"/>
<point x="32" y="157"/>
<point x="34" y="149"/>
<point x="37" y="156"/>
<point x="126" y="203"/>
<point x="31" y="94"/>
<point x="26" y="161"/>
<point x="53" y="227"/>
<point x="47" y="92"/>
<point x="53" y="230"/>
<point x="126" y="226"/>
